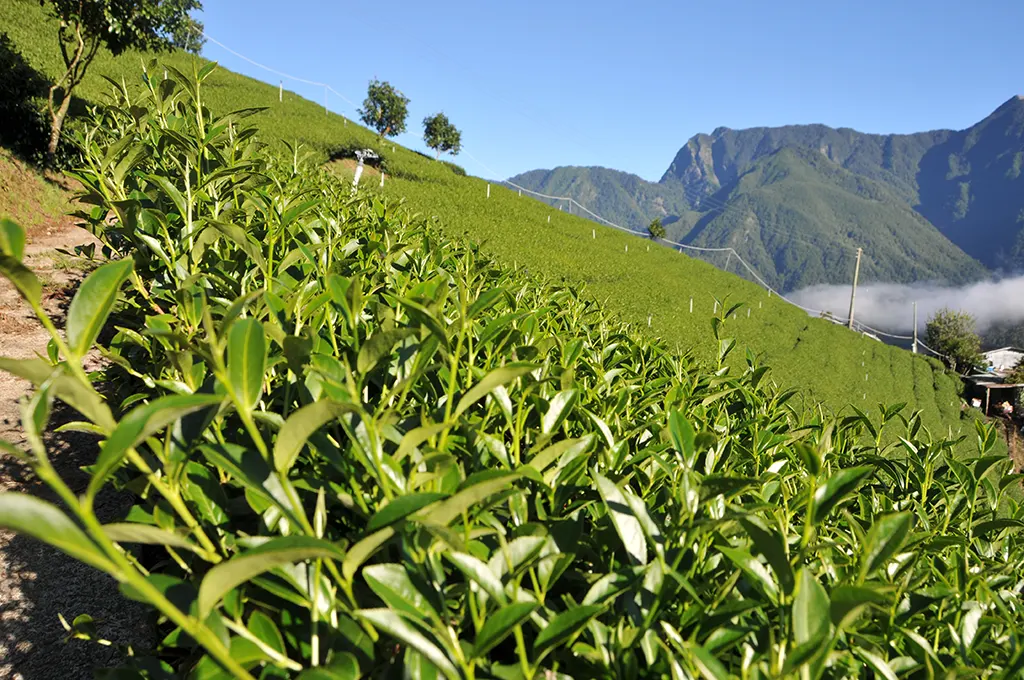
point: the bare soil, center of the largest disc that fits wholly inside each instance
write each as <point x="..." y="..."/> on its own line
<point x="37" y="582"/>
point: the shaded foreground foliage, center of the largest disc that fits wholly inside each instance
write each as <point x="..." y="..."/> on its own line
<point x="363" y="450"/>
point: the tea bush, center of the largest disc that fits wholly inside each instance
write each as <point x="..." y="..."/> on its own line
<point x="362" y="449"/>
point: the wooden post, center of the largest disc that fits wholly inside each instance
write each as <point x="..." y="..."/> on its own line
<point x="915" y="328"/>
<point x="853" y="293"/>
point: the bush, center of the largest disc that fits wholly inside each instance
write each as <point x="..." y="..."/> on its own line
<point x="366" y="448"/>
<point x="457" y="169"/>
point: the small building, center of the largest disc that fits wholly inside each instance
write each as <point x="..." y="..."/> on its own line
<point x="991" y="387"/>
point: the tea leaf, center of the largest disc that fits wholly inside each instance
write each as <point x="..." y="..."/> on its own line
<point x="92" y="304"/>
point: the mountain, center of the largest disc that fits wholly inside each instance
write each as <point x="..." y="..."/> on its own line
<point x="798" y="219"/>
<point x="964" y="184"/>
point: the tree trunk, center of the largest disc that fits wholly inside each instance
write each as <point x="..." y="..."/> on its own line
<point x="72" y="76"/>
<point x="56" y="125"/>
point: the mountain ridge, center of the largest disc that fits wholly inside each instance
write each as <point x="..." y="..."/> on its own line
<point x="963" y="183"/>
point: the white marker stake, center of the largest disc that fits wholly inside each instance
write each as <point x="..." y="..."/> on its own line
<point x="648" y="320"/>
<point x="165" y="74"/>
<point x="748" y="312"/>
<point x="359" y="173"/>
<point x="344" y="122"/>
<point x="691" y="305"/>
<point x="593" y="233"/>
<point x="759" y="304"/>
<point x="382" y="180"/>
<point x="280" y="92"/>
<point x="549" y="219"/>
<point x="520" y="193"/>
<point x="488" y="191"/>
<point x="627" y="249"/>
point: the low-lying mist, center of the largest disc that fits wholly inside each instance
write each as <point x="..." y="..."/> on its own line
<point x="889" y="306"/>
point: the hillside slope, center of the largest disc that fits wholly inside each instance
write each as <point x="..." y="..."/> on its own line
<point x="829" y="364"/>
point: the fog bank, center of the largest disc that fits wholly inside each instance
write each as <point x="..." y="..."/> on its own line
<point x="889" y="306"/>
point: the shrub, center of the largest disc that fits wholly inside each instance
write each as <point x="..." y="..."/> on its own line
<point x="457" y="169"/>
<point x="366" y="450"/>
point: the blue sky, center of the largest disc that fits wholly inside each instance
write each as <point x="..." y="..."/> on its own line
<point x="538" y="84"/>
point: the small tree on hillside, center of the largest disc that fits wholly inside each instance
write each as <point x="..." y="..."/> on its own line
<point x="441" y="136"/>
<point x="384" y="109"/>
<point x="1016" y="376"/>
<point x="85" y="25"/>
<point x="655" y="229"/>
<point x="952" y="333"/>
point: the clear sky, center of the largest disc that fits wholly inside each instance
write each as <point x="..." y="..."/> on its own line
<point x="536" y="84"/>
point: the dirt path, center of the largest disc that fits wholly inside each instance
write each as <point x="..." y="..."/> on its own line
<point x="38" y="582"/>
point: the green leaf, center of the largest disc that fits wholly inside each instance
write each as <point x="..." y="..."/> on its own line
<point x="395" y="626"/>
<point x="12" y="240"/>
<point x="140" y="423"/>
<point x="879" y="665"/>
<point x="92" y="305"/>
<point x="883" y="540"/>
<point x="401" y="507"/>
<point x="563" y="627"/>
<point x="682" y="436"/>
<point x="838" y="487"/>
<point x="300" y="426"/>
<point x="380" y="346"/>
<point x="264" y="628"/>
<point x="274" y="553"/>
<point x="479" y="573"/>
<point x="706" y="663"/>
<point x="560" y="406"/>
<point x="22" y="277"/>
<point x="627" y="525"/>
<point x="496" y="378"/>
<point x="769" y="543"/>
<point x="567" y="447"/>
<point x="361" y="551"/>
<point x="247" y="358"/>
<point x="847" y="601"/>
<point x="29" y="515"/>
<point x="810" y="613"/>
<point x="749" y="565"/>
<point x="392" y="584"/>
<point x="500" y="625"/>
<point x="130" y="532"/>
<point x="443" y="512"/>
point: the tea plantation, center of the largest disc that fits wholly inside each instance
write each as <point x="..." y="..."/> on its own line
<point x="365" y="449"/>
<point x="829" y="365"/>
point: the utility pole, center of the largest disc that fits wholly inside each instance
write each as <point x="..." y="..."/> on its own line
<point x="915" y="327"/>
<point x="853" y="293"/>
